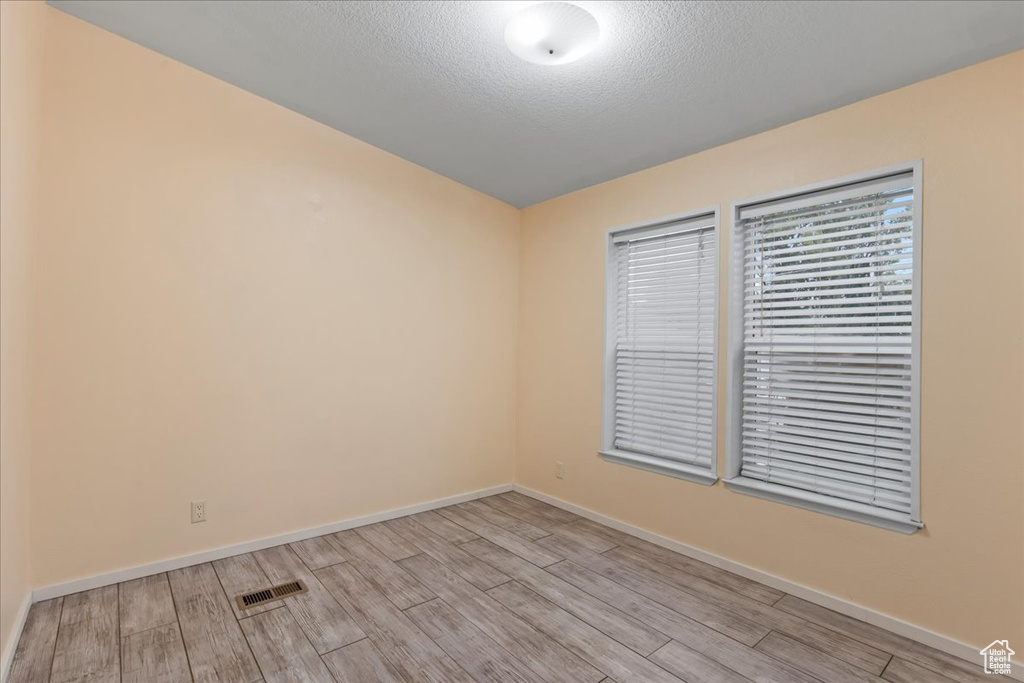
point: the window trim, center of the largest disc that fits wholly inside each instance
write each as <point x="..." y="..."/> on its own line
<point x="734" y="368"/>
<point x="608" y="452"/>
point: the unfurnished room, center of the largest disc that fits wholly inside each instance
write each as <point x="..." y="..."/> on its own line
<point x="393" y="341"/>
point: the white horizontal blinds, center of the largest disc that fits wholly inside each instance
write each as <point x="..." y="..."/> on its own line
<point x="827" y="330"/>
<point x="664" y="342"/>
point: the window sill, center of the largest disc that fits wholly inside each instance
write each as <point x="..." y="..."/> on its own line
<point x="660" y="466"/>
<point x="825" y="505"/>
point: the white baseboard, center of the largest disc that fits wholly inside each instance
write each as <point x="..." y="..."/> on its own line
<point x="12" y="641"/>
<point x="938" y="641"/>
<point x="110" y="578"/>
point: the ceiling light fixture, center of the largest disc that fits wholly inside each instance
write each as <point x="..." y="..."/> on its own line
<point x="552" y="33"/>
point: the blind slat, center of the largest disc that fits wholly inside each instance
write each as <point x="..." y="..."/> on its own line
<point x="832" y="235"/>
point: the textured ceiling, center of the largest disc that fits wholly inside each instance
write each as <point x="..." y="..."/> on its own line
<point x="434" y="83"/>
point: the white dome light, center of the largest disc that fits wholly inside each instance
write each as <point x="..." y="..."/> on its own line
<point x="552" y="33"/>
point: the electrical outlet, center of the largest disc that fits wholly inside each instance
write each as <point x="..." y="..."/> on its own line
<point x="198" y="511"/>
<point x="560" y="470"/>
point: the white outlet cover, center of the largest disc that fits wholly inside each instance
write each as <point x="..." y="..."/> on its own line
<point x="198" y="511"/>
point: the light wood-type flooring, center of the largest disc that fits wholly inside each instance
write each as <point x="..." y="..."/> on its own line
<point x="504" y="588"/>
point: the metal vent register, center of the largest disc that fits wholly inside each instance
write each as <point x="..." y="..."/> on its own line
<point x="265" y="595"/>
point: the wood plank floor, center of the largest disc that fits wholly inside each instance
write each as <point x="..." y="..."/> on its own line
<point x="502" y="589"/>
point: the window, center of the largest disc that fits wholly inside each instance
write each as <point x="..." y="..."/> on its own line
<point x="659" y="403"/>
<point x="824" y="344"/>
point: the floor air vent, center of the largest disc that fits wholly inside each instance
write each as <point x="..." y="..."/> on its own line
<point x="265" y="595"/>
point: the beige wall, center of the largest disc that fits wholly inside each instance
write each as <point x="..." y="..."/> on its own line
<point x="962" y="575"/>
<point x="21" y="45"/>
<point x="235" y="303"/>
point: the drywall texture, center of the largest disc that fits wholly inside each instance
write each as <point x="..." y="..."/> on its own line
<point x="235" y="303"/>
<point x="21" y="47"/>
<point x="960" y="576"/>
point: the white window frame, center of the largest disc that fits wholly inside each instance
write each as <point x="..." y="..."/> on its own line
<point x="608" y="451"/>
<point x="734" y="369"/>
